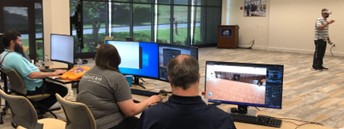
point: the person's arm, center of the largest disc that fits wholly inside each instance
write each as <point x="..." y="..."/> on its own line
<point x="129" y="108"/>
<point x="39" y="75"/>
<point x="329" y="41"/>
<point x="322" y="26"/>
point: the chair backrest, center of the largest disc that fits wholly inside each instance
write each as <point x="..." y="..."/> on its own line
<point x="16" y="82"/>
<point x="77" y="114"/>
<point x="23" y="112"/>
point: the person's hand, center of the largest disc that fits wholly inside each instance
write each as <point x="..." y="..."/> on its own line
<point x="58" y="72"/>
<point x="331" y="21"/>
<point x="329" y="42"/>
<point x="154" y="99"/>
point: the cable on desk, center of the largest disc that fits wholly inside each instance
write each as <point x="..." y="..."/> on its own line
<point x="310" y="122"/>
<point x="300" y="125"/>
<point x="315" y="123"/>
<point x="292" y="123"/>
<point x="257" y="108"/>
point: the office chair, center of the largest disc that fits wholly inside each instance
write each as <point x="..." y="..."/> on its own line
<point x="77" y="114"/>
<point x="18" y="88"/>
<point x="5" y="107"/>
<point x="24" y="114"/>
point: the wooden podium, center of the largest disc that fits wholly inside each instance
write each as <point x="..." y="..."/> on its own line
<point x="227" y="36"/>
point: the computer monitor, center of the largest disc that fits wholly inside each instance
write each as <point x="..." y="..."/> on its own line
<point x="137" y="58"/>
<point x="169" y="51"/>
<point x="62" y="48"/>
<point x="244" y="84"/>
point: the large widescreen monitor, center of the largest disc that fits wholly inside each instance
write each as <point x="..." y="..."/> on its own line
<point x="62" y="48"/>
<point x="169" y="51"/>
<point x="137" y="58"/>
<point x="244" y="84"/>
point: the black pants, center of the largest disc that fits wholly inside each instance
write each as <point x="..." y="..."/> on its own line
<point x="127" y="123"/>
<point x="49" y="88"/>
<point x="320" y="48"/>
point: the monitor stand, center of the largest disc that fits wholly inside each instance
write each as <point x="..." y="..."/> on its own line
<point x="70" y="66"/>
<point x="137" y="82"/>
<point x="243" y="110"/>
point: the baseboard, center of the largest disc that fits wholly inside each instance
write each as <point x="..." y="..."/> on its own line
<point x="302" y="51"/>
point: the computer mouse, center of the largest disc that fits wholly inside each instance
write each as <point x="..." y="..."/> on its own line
<point x="163" y="93"/>
<point x="84" y="61"/>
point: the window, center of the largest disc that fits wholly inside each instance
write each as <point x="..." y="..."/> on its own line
<point x="164" y="26"/>
<point x="94" y="21"/>
<point x="196" y="26"/>
<point x="180" y="25"/>
<point x="181" y="22"/>
<point x="121" y="19"/>
<point x="143" y="21"/>
<point x="27" y="18"/>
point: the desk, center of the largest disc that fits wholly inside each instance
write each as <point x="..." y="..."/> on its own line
<point x="285" y="124"/>
<point x="63" y="81"/>
<point x="75" y="83"/>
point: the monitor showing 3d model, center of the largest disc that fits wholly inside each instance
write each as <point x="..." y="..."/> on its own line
<point x="169" y="51"/>
<point x="244" y="84"/>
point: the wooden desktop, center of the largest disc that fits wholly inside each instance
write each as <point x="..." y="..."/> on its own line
<point x="287" y="123"/>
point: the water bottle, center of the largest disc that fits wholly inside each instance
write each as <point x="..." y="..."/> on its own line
<point x="79" y="63"/>
<point x="46" y="61"/>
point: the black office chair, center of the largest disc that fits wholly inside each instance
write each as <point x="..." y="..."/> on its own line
<point x="18" y="88"/>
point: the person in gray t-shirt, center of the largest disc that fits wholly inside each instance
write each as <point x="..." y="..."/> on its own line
<point x="107" y="93"/>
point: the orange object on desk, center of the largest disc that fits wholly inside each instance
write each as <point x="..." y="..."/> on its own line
<point x="75" y="73"/>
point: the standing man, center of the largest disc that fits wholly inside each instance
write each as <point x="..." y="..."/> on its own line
<point x="185" y="109"/>
<point x="321" y="37"/>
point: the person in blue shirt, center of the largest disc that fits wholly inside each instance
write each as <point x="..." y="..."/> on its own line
<point x="14" y="58"/>
<point x="185" y="109"/>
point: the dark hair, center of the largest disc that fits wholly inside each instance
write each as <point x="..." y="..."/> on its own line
<point x="8" y="37"/>
<point x="107" y="57"/>
<point x="183" y="71"/>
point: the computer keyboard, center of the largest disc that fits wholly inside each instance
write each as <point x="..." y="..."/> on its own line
<point x="143" y="92"/>
<point x="259" y="120"/>
<point x="47" y="70"/>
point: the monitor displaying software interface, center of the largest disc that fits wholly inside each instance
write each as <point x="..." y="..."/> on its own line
<point x="244" y="84"/>
<point x="137" y="58"/>
<point x="62" y="48"/>
<point x="168" y="52"/>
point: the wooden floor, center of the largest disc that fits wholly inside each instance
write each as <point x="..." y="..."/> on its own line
<point x="307" y="94"/>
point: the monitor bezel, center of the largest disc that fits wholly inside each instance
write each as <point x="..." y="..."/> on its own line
<point x="137" y="75"/>
<point x="173" y="45"/>
<point x="244" y="64"/>
<point x="62" y="61"/>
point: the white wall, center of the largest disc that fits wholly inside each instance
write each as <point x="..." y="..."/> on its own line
<point x="55" y="19"/>
<point x="288" y="26"/>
